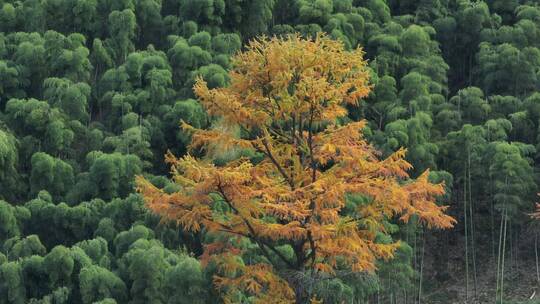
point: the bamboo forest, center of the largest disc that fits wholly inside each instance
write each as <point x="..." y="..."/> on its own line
<point x="269" y="151"/>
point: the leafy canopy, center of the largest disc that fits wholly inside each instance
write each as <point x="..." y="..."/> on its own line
<point x="288" y="97"/>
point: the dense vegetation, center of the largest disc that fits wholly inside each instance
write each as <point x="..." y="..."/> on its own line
<point x="92" y="93"/>
<point x="314" y="201"/>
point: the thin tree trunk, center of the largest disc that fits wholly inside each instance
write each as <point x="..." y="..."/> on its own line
<point x="405" y="295"/>
<point x="415" y="251"/>
<point x="503" y="253"/>
<point x="471" y="215"/>
<point x="497" y="289"/>
<point x="421" y="267"/>
<point x="466" y="239"/>
<point x="492" y="220"/>
<point x="378" y="294"/>
<point x="516" y="246"/>
<point x="492" y="210"/>
<point x="536" y="256"/>
<point x="511" y="249"/>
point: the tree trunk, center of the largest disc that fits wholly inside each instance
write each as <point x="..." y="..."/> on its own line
<point x="466" y="239"/>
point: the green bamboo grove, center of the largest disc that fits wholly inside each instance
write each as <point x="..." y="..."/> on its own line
<point x="92" y="93"/>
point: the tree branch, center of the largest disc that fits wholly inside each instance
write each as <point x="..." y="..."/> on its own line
<point x="268" y="153"/>
<point x="262" y="243"/>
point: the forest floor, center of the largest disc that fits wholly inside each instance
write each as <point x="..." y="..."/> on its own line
<point x="521" y="284"/>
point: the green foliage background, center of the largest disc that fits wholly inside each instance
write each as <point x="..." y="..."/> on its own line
<point x="92" y="93"/>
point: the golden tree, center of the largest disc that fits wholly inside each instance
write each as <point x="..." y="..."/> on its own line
<point x="288" y="98"/>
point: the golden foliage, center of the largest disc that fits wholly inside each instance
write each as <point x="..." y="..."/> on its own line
<point x="286" y="95"/>
<point x="255" y="279"/>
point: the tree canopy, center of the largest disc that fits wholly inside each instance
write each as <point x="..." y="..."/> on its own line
<point x="287" y="96"/>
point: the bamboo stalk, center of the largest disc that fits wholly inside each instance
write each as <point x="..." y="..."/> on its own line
<point x="422" y="266"/>
<point x="466" y="239"/>
<point x="536" y="256"/>
<point x="503" y="253"/>
<point x="471" y="215"/>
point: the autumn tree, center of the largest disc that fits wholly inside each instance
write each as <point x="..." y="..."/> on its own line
<point x="288" y="98"/>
